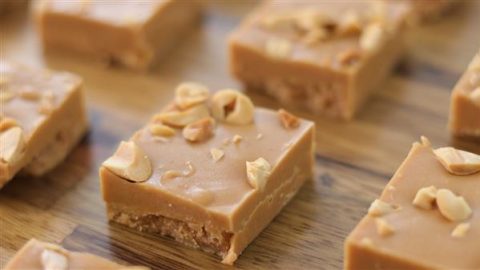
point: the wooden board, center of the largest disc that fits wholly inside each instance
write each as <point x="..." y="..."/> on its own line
<point x="354" y="160"/>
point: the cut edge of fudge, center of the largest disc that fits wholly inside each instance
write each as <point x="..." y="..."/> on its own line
<point x="213" y="232"/>
<point x="341" y="86"/>
<point x="37" y="159"/>
<point x="464" y="117"/>
<point x="362" y="251"/>
<point x="149" y="40"/>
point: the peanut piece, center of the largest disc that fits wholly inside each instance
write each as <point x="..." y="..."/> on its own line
<point x="189" y="94"/>
<point x="451" y="206"/>
<point x="277" y="48"/>
<point x="458" y="162"/>
<point x="161" y="130"/>
<point x="383" y="227"/>
<point x="232" y="107"/>
<point x="6" y="123"/>
<point x="288" y="120"/>
<point x="30" y="94"/>
<point x="216" y="154"/>
<point x="258" y="172"/>
<point x="11" y="144"/>
<point x="349" y="57"/>
<point x="461" y="230"/>
<point x="380" y="208"/>
<point x="52" y="260"/>
<point x="237" y="139"/>
<point x="425" y="197"/>
<point x="371" y="37"/>
<point x="130" y="162"/>
<point x="182" y="118"/>
<point x="350" y="23"/>
<point x="200" y="130"/>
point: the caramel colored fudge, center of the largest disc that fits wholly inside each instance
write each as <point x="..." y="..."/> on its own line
<point x="42" y="118"/>
<point x="428" y="216"/>
<point x="210" y="172"/>
<point x="7" y="6"/>
<point x="465" y="102"/>
<point x="131" y="33"/>
<point x="426" y="10"/>
<point x="325" y="56"/>
<point x="37" y="255"/>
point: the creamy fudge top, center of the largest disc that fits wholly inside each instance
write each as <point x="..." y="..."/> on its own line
<point x="469" y="85"/>
<point x="216" y="152"/>
<point x="107" y="11"/>
<point x="29" y="96"/>
<point x="429" y="213"/>
<point x="37" y="255"/>
<point x="335" y="34"/>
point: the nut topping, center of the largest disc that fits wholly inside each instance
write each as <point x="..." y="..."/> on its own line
<point x="349" y="57"/>
<point x="425" y="197"/>
<point x="371" y="37"/>
<point x="237" y="139"/>
<point x="29" y="94"/>
<point x="11" y="144"/>
<point x="6" y="95"/>
<point x="130" y="162"/>
<point x="52" y="260"/>
<point x="461" y="230"/>
<point x="475" y="96"/>
<point x="171" y="174"/>
<point x="216" y="154"/>
<point x="380" y="208"/>
<point x="161" y="130"/>
<point x="200" y="130"/>
<point x="258" y="172"/>
<point x="289" y="121"/>
<point x="453" y="207"/>
<point x="383" y="227"/>
<point x="232" y="107"/>
<point x="6" y="123"/>
<point x="178" y="118"/>
<point x="189" y="94"/>
<point x="200" y="195"/>
<point x="277" y="48"/>
<point x="458" y="162"/>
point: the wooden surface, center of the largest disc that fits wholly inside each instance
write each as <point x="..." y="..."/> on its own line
<point x="354" y="160"/>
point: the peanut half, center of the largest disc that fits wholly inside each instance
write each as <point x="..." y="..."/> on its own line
<point x="288" y="120"/>
<point x="372" y="36"/>
<point x="258" y="172"/>
<point x="232" y="107"/>
<point x="11" y="144"/>
<point x="189" y="94"/>
<point x="425" y="198"/>
<point x="379" y="208"/>
<point x="53" y="260"/>
<point x="179" y="118"/>
<point x="461" y="230"/>
<point x="130" y="162"/>
<point x="452" y="207"/>
<point x="200" y="130"/>
<point x="458" y="162"/>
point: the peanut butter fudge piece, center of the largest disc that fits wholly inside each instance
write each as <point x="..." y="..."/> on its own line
<point x="428" y="216"/>
<point x="37" y="255"/>
<point x="426" y="10"/>
<point x="465" y="102"/>
<point x="210" y="172"/>
<point x="326" y="56"/>
<point x="42" y="118"/>
<point x="132" y="33"/>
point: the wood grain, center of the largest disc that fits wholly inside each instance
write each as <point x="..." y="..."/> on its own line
<point x="354" y="159"/>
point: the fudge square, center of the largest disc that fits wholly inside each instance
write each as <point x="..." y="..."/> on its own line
<point x="210" y="172"/>
<point x="465" y="102"/>
<point x="427" y="10"/>
<point x="428" y="216"/>
<point x="42" y="118"/>
<point x="131" y="33"/>
<point x="325" y="56"/>
<point x="38" y="255"/>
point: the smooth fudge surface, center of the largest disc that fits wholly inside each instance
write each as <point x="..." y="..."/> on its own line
<point x="465" y="102"/>
<point x="211" y="205"/>
<point x="413" y="237"/>
<point x="38" y="255"/>
<point x="134" y="34"/>
<point x="325" y="56"/>
<point x="42" y="118"/>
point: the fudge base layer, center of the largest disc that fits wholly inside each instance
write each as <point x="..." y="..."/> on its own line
<point x="188" y="233"/>
<point x="303" y="85"/>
